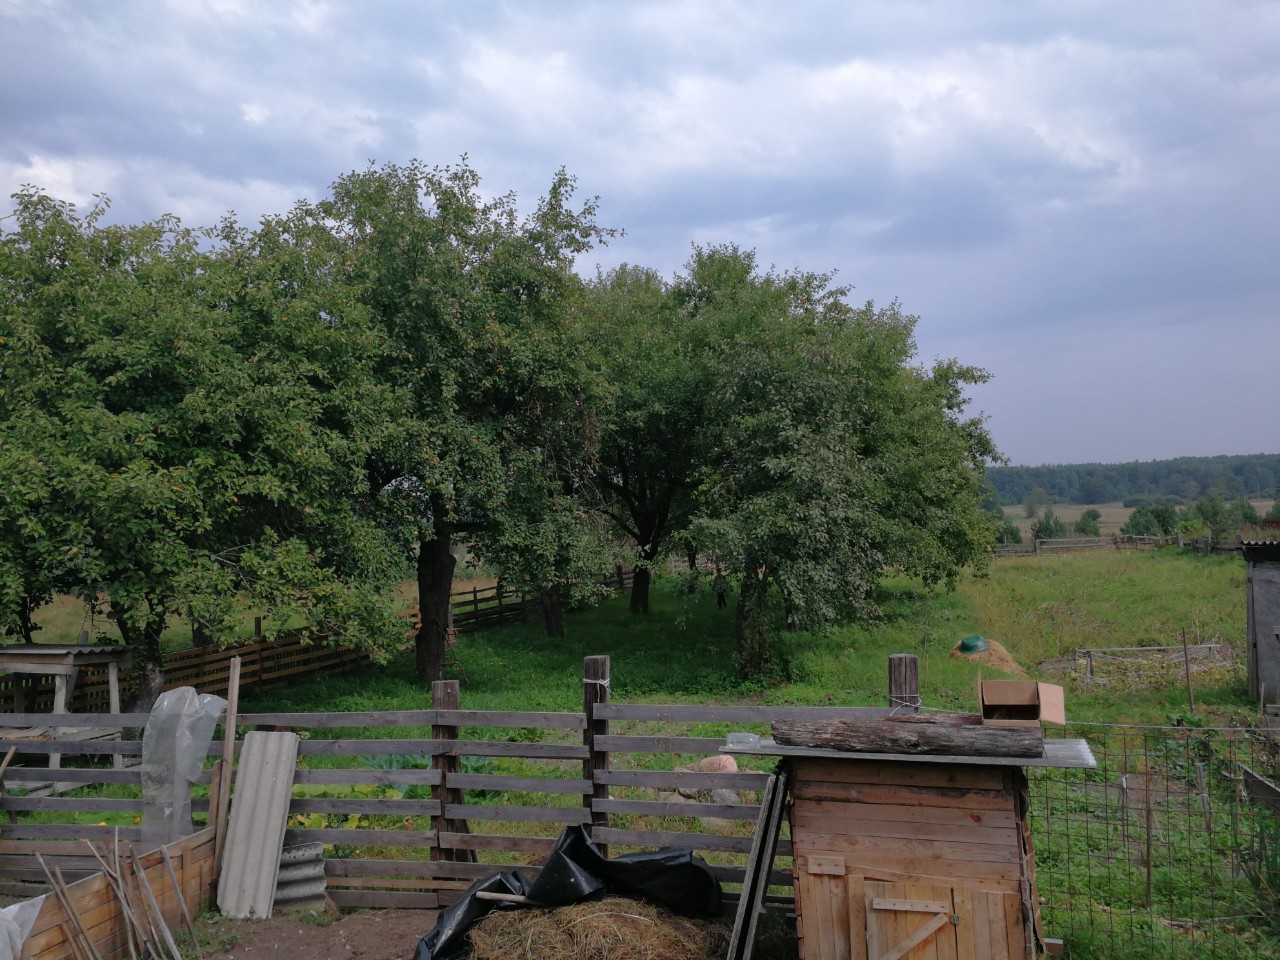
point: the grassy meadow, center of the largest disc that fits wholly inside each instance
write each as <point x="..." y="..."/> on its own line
<point x="1039" y="608"/>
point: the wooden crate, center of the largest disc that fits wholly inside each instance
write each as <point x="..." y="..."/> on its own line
<point x="911" y="860"/>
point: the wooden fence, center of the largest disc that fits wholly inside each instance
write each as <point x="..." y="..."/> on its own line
<point x="294" y="653"/>
<point x="1040" y="547"/>
<point x="414" y="805"/>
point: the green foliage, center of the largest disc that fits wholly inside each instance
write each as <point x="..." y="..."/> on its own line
<point x="1087" y="525"/>
<point x="1006" y="530"/>
<point x="1184" y="478"/>
<point x="1048" y="527"/>
<point x="1158" y="519"/>
<point x="180" y="420"/>
<point x="477" y="310"/>
<point x="828" y="455"/>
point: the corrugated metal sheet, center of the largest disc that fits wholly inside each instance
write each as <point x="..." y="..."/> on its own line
<point x="259" y="808"/>
<point x="300" y="883"/>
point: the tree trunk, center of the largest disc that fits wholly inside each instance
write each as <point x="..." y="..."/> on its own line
<point x="148" y="661"/>
<point x="553" y="611"/>
<point x="640" y="590"/>
<point x="751" y="624"/>
<point x="691" y="554"/>
<point x="435" y="583"/>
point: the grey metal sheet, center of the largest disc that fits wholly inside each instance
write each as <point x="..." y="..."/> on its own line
<point x="259" y="809"/>
<point x="1058" y="753"/>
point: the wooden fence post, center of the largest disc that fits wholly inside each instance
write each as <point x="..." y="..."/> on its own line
<point x="904" y="682"/>
<point x="444" y="696"/>
<point x="595" y="690"/>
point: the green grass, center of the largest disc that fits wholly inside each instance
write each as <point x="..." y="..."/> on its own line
<point x="1039" y="608"/>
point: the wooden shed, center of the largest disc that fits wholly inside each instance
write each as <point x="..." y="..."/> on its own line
<point x="915" y="856"/>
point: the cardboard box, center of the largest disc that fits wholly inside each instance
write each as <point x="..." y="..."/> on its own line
<point x="1020" y="703"/>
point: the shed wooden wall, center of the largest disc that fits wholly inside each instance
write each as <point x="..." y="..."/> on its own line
<point x="914" y="860"/>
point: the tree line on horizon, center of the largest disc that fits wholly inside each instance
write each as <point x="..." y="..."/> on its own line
<point x="291" y="418"/>
<point x="1180" y="480"/>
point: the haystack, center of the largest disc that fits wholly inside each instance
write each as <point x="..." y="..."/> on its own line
<point x="610" y="929"/>
<point x="995" y="656"/>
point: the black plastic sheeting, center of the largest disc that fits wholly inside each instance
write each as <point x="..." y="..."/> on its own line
<point x="576" y="870"/>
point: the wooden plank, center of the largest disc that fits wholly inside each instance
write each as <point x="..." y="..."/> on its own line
<point x="123" y="748"/>
<point x="75" y="804"/>
<point x="512" y="784"/>
<point x="661" y="808"/>
<point x="809" y="941"/>
<point x="856" y="911"/>
<point x="941" y="851"/>
<point x="71" y="775"/>
<point x="911" y="906"/>
<point x="447" y="869"/>
<point x="387" y="900"/>
<point x="688" y="841"/>
<point x="88" y="720"/>
<point x="363" y="836"/>
<point x="811" y="824"/>
<point x="837" y="911"/>
<point x="666" y="713"/>
<point x="899" y="773"/>
<point x="370" y="718"/>
<point x="392" y="883"/>
<point x="694" y="746"/>
<point x="505" y="844"/>
<point x="366" y="776"/>
<point x="1017" y="935"/>
<point x="513" y="719"/>
<point x="525" y="751"/>
<point x="904" y="795"/>
<point x="439" y="870"/>
<point x="888" y="855"/>
<point x="466" y="811"/>
<point x="966" y="949"/>
<point x="682" y="779"/>
<point x="69" y="831"/>
<point x="961" y="817"/>
<point x="373" y="806"/>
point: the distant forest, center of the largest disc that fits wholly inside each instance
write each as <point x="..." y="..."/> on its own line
<point x="1183" y="479"/>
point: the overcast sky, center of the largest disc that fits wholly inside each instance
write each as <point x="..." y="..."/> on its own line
<point x="1082" y="197"/>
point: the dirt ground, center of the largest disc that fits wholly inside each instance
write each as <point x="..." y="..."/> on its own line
<point x="367" y="935"/>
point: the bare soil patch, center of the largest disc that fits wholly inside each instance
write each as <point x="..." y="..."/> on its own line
<point x="367" y="935"/>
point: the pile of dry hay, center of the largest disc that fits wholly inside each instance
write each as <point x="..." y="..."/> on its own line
<point x="611" y="929"/>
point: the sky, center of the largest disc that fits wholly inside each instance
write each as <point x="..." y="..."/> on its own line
<point x="1080" y="196"/>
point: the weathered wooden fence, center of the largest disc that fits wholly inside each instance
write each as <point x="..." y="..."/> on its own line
<point x="292" y="654"/>
<point x="414" y="805"/>
<point x="1040" y="547"/>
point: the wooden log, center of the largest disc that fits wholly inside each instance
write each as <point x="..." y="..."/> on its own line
<point x="955" y="735"/>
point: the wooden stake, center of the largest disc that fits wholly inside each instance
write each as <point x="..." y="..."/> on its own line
<point x="113" y="879"/>
<point x="224" y="779"/>
<point x="150" y="899"/>
<point x="1186" y="660"/>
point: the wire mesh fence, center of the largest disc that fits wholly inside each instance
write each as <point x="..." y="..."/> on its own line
<point x="1167" y="849"/>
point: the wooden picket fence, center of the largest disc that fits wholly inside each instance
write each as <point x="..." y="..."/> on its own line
<point x="414" y="805"/>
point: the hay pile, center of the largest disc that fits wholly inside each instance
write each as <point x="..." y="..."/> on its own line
<point x="611" y="929"/>
<point x="995" y="656"/>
